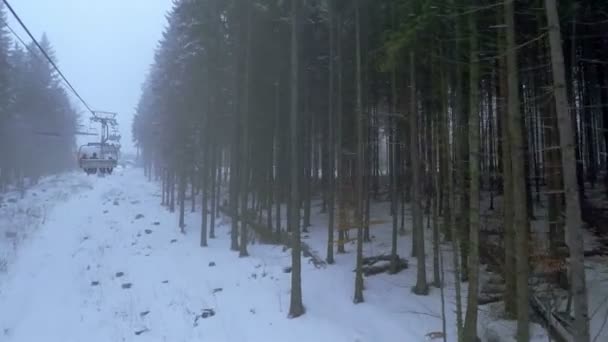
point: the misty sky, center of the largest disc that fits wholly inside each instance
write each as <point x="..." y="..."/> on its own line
<point x="104" y="48"/>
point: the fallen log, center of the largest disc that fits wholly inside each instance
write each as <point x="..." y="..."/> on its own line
<point x="487" y="299"/>
<point x="266" y="235"/>
<point x="382" y="263"/>
<point x="559" y="324"/>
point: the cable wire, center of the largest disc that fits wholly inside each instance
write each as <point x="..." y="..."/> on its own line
<point x="10" y="8"/>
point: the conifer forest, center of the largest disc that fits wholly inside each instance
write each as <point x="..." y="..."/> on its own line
<point x="488" y="119"/>
<point x="457" y="148"/>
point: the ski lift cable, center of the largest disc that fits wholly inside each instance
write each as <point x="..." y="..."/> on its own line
<point x="10" y="8"/>
<point x="16" y="35"/>
<point x="20" y="40"/>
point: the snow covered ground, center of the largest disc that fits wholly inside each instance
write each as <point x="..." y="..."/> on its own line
<point x="20" y="218"/>
<point x="106" y="263"/>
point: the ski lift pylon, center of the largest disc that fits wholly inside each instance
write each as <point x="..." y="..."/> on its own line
<point x="101" y="156"/>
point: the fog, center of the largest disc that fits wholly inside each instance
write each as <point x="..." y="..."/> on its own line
<point x="103" y="47"/>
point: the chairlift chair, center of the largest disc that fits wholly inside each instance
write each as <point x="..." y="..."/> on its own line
<point x="97" y="157"/>
<point x="102" y="156"/>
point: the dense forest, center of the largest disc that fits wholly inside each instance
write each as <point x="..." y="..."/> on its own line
<point x="37" y="120"/>
<point x="489" y="120"/>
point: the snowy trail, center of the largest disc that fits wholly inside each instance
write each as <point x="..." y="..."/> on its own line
<point x="109" y="264"/>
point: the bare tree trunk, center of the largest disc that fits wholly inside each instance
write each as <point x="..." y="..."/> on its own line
<point x="193" y="192"/>
<point x="393" y="166"/>
<point x="339" y="162"/>
<point x="434" y="197"/>
<point x="296" y="308"/>
<point x="520" y="196"/>
<point x="182" y="200"/>
<point x="574" y="224"/>
<point x="421" y="287"/>
<point x="163" y="191"/>
<point x="507" y="175"/>
<point x="470" y="323"/>
<point x="245" y="174"/>
<point x="332" y="146"/>
<point x="172" y="191"/>
<point x="214" y="197"/>
<point x="358" y="297"/>
<point x="451" y="219"/>
<point x="601" y="76"/>
<point x="278" y="154"/>
<point x="204" y="197"/>
<point x="521" y="222"/>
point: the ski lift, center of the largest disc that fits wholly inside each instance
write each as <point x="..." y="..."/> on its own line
<point x="101" y="157"/>
<point x="98" y="157"/>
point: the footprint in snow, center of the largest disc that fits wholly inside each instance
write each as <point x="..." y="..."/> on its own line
<point x="139" y="216"/>
<point x="126" y="286"/>
<point x="119" y="274"/>
<point x="207" y="313"/>
<point x="148" y="231"/>
<point x="139" y="332"/>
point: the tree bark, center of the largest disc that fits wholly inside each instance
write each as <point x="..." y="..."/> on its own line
<point x="421" y="287"/>
<point x="574" y="224"/>
<point x="521" y="222"/>
<point x="358" y="297"/>
<point x="510" y="298"/>
<point x="470" y="323"/>
<point x="331" y="148"/>
<point x="296" y="308"/>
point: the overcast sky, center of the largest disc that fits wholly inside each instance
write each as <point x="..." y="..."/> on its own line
<point x="104" y="47"/>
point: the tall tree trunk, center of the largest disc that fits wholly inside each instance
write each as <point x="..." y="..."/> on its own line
<point x="245" y="148"/>
<point x="163" y="188"/>
<point x="450" y="219"/>
<point x="358" y="297"/>
<point x="296" y="308"/>
<point x="510" y="298"/>
<point x="278" y="155"/>
<point x="393" y="165"/>
<point x="435" y="204"/>
<point x="332" y="146"/>
<point x="521" y="222"/>
<point x="339" y="162"/>
<point x="470" y="323"/>
<point x="307" y="180"/>
<point x="193" y="191"/>
<point x="213" y="167"/>
<point x="601" y="76"/>
<point x="421" y="287"/>
<point x="574" y="224"/>
<point x="462" y="150"/>
<point x="204" y="194"/>
<point x="182" y="200"/>
<point x="172" y="191"/>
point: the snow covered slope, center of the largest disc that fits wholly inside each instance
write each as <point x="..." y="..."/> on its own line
<point x="108" y="264"/>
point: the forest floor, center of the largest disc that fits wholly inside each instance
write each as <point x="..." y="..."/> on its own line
<point x="98" y="259"/>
